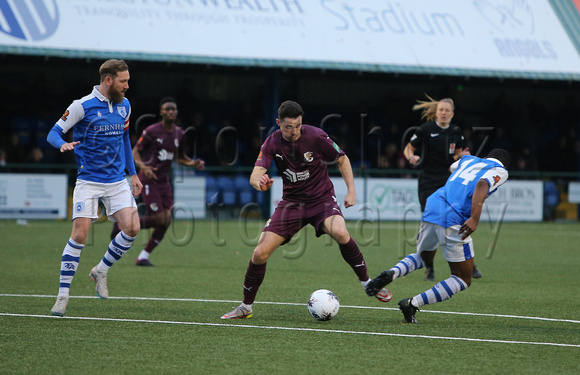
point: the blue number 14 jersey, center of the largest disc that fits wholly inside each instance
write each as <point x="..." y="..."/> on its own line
<point x="451" y="204"/>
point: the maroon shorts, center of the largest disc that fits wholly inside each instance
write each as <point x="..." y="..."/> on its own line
<point x="157" y="197"/>
<point x="290" y="217"/>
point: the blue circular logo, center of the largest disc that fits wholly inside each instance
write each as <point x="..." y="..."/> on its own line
<point x="29" y="20"/>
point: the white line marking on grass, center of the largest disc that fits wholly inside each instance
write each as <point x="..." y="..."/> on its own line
<point x="300" y="304"/>
<point x="291" y="329"/>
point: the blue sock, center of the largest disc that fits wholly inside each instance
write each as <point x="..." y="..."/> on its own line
<point x="407" y="265"/>
<point x="69" y="265"/>
<point x="440" y="292"/>
<point x="117" y="248"/>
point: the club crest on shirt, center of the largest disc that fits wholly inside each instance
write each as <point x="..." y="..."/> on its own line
<point x="122" y="111"/>
<point x="308" y="156"/>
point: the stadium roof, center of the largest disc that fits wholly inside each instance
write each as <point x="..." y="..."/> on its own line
<point x="530" y="39"/>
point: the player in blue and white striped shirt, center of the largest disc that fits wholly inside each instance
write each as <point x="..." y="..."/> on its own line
<point x="451" y="215"/>
<point x="100" y="123"/>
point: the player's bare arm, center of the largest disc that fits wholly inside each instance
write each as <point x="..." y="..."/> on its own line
<point x="195" y="163"/>
<point x="479" y="196"/>
<point x="345" y="169"/>
<point x="260" y="180"/>
<point x="148" y="171"/>
<point x="69" y="146"/>
<point x="136" y="184"/>
<point x="185" y="160"/>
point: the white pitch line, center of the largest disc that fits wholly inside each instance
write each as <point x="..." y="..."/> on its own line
<point x="301" y="304"/>
<point x="293" y="329"/>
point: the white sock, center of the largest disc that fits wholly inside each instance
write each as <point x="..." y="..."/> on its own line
<point x="247" y="307"/>
<point x="143" y="255"/>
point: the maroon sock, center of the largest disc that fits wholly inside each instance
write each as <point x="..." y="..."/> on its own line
<point x="254" y="277"/>
<point x="156" y="237"/>
<point x="352" y="255"/>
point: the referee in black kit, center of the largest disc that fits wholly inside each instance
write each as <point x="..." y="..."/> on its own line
<point x="439" y="144"/>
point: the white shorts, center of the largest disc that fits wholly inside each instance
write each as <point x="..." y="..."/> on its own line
<point x="114" y="196"/>
<point x="453" y="247"/>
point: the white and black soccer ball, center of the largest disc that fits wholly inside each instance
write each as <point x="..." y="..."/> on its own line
<point x="323" y="305"/>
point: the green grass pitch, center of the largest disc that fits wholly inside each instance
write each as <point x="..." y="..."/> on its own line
<point x="523" y="316"/>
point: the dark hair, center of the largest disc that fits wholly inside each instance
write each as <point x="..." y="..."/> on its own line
<point x="289" y="109"/>
<point x="167" y="99"/>
<point x="111" y="68"/>
<point x="500" y="154"/>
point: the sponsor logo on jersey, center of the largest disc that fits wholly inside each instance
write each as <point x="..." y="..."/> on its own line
<point x="433" y="135"/>
<point x="109" y="129"/>
<point x="260" y="156"/>
<point x="164" y="155"/>
<point x="29" y="20"/>
<point x="308" y="156"/>
<point x="296" y="176"/>
<point x="64" y="116"/>
<point x="279" y="156"/>
<point x="496" y="180"/>
<point x="336" y="147"/>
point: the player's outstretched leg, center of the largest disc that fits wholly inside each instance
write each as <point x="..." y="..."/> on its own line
<point x="376" y="285"/>
<point x="442" y="291"/>
<point x="407" y="265"/>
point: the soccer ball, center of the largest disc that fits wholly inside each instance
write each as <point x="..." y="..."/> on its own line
<point x="323" y="305"/>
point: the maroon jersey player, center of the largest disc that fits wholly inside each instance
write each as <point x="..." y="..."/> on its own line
<point x="301" y="153"/>
<point x="158" y="146"/>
